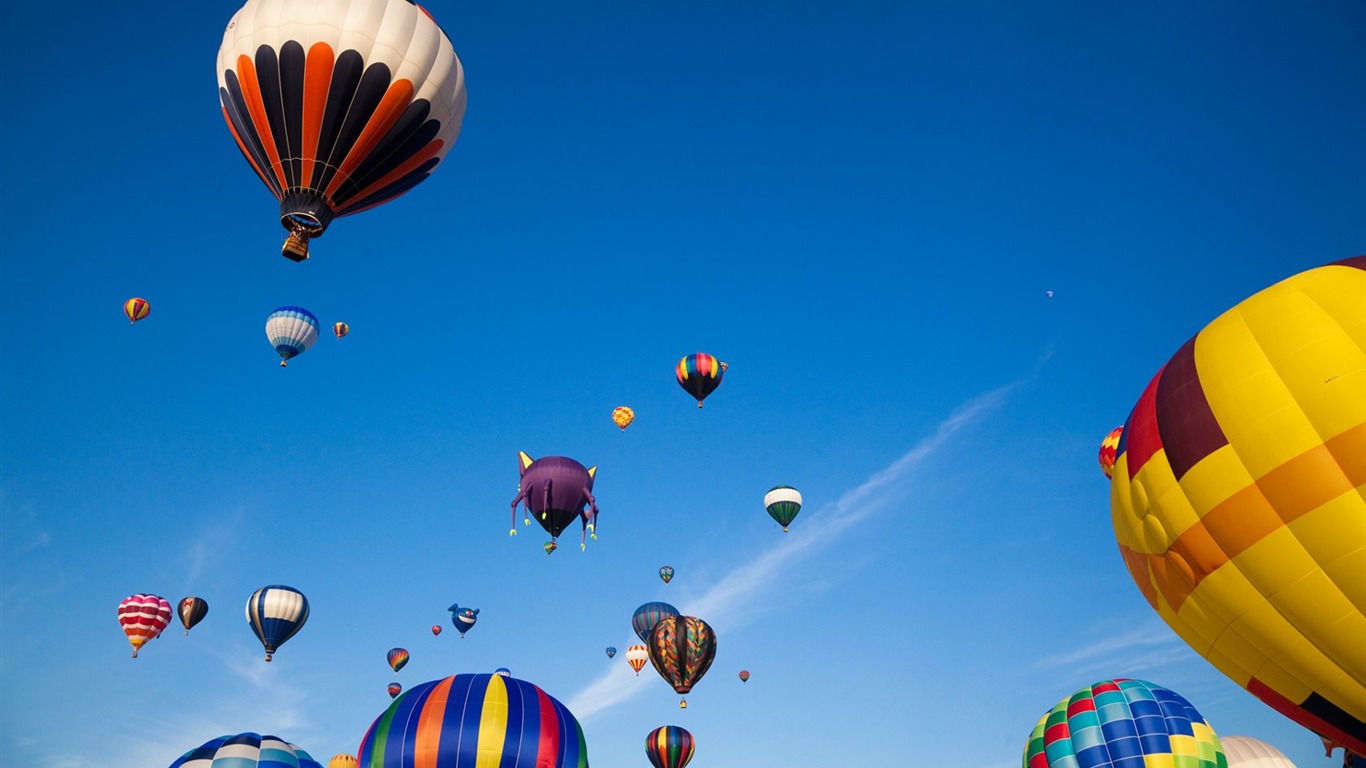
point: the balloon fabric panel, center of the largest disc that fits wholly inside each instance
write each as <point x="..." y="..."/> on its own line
<point x="246" y="750"/>
<point x="1238" y="496"/>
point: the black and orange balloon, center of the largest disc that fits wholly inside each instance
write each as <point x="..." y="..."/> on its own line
<point x="338" y="106"/>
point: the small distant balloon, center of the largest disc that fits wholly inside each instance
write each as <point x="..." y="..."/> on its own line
<point x="611" y="651"/>
<point x="699" y="375"/>
<point x="136" y="309"/>
<point x="783" y="502"/>
<point x="623" y="417"/>
<point x="550" y="547"/>
<point x="463" y="618"/>
<point x="1109" y="447"/>
<point x="192" y="610"/>
<point x="669" y="746"/>
<point x="292" y="331"/>
<point x="504" y="671"/>
<point x="398" y="658"/>
<point x="143" y="617"/>
<point x="436" y="629"/>
<point x="666" y="573"/>
<point x="636" y="656"/>
<point x="394" y="690"/>
<point x="1049" y="294"/>
<point x="744" y="675"/>
<point x="341" y="329"/>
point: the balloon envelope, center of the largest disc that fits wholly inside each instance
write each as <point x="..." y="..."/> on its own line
<point x="782" y="503"/>
<point x="1237" y="498"/>
<point x="143" y="617"/>
<point x="647" y="616"/>
<point x="136" y="309"/>
<point x="192" y="610"/>
<point x="276" y="613"/>
<point x="669" y="746"/>
<point x="1108" y="447"/>
<point x="623" y="417"/>
<point x="398" y="658"/>
<point x="246" y="750"/>
<point x="292" y="331"/>
<point x="436" y="629"/>
<point x="744" y="675"/>
<point x="682" y="649"/>
<point x="666" y="573"/>
<point x="1121" y="723"/>
<point x="394" y="690"/>
<point x="699" y="375"/>
<point x="469" y="720"/>
<point x="636" y="657"/>
<point x="1247" y="752"/>
<point x="340" y="329"/>
<point x="611" y="651"/>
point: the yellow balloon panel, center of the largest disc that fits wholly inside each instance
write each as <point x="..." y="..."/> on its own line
<point x="1239" y="496"/>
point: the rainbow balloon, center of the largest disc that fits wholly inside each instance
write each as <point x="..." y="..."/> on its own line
<point x="1239" y="497"/>
<point x="475" y="720"/>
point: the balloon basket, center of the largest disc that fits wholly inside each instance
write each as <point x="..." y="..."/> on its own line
<point x="295" y="248"/>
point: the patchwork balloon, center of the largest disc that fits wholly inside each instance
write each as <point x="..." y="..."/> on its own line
<point x="192" y="610"/>
<point x="338" y="106"/>
<point x="1239" y="497"/>
<point x="292" y="331"/>
<point x="246" y="750"/>
<point x="469" y="720"/>
<point x="623" y="416"/>
<point x="669" y="746"/>
<point x="1108" y="447"/>
<point x="666" y="573"/>
<point x="1123" y="723"/>
<point x="276" y="613"/>
<point x="143" y="617"/>
<point x="682" y="649"/>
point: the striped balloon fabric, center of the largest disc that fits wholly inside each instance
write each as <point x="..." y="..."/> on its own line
<point x="669" y="746"/>
<point x="276" y="613"/>
<point x="136" y="309"/>
<point x="292" y="331"/>
<point x="472" y="721"/>
<point x="699" y="375"/>
<point x="1123" y="723"/>
<point x="246" y="750"/>
<point x="143" y="617"/>
<point x="648" y="615"/>
<point x="398" y="657"/>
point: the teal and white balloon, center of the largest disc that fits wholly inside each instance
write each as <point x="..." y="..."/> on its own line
<point x="291" y="330"/>
<point x="276" y="613"/>
<point x="783" y="502"/>
<point x="246" y="750"/>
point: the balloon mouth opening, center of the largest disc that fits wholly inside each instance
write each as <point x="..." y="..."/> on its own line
<point x="302" y="223"/>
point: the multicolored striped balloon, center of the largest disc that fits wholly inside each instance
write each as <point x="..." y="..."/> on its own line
<point x="136" y="309"/>
<point x="744" y="675"/>
<point x="398" y="657"/>
<point x="1239" y="497"/>
<point x="394" y="690"/>
<point x="699" y="375"/>
<point x="480" y="720"/>
<point x="682" y="649"/>
<point x="648" y="615"/>
<point x="192" y="610"/>
<point x="1123" y="723"/>
<point x="292" y="331"/>
<point x="143" y="617"/>
<point x="276" y="613"/>
<point x="669" y="746"/>
<point x="1108" y="448"/>
<point x="246" y="750"/>
<point x="340" y="329"/>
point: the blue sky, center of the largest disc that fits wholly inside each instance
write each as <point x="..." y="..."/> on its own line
<point x="859" y="206"/>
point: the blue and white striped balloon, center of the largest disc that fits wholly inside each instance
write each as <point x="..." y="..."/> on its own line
<point x="291" y="330"/>
<point x="247" y="750"/>
<point x="275" y="614"/>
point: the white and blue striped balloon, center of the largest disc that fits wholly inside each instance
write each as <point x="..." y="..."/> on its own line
<point x="275" y="614"/>
<point x="291" y="330"/>
<point x="246" y="750"/>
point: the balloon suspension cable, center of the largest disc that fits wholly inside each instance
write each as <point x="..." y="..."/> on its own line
<point x="296" y="246"/>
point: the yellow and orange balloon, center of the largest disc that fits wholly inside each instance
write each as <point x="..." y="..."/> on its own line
<point x="136" y="309"/>
<point x="1108" y="447"/>
<point x="1239" y="497"/>
<point x="623" y="417"/>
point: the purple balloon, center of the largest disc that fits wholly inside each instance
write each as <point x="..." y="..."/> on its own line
<point x="556" y="490"/>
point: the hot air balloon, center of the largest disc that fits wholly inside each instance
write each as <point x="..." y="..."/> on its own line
<point x="143" y="617"/>
<point x="394" y="690"/>
<point x="669" y="746"/>
<point x="136" y="309"/>
<point x="647" y="616"/>
<point x="344" y="761"/>
<point x="744" y="675"/>
<point x="291" y="330"/>
<point x="247" y="750"/>
<point x="699" y="375"/>
<point x="1107" y="451"/>
<point x="783" y="502"/>
<point x="682" y="649"/>
<point x="556" y="490"/>
<point x="611" y="651"/>
<point x="398" y="658"/>
<point x="636" y="656"/>
<point x="504" y="671"/>
<point x="340" y="329"/>
<point x="469" y="720"/>
<point x="338" y="106"/>
<point x="1237" y="498"/>
<point x="623" y="417"/>
<point x="463" y="618"/>
<point x="1119" y="723"/>
<point x="276" y="613"/>
<point x="1247" y="752"/>
<point x="192" y="610"/>
<point x="666" y="573"/>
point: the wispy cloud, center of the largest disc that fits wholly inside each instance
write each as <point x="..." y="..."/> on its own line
<point x="212" y="545"/>
<point x="1149" y="646"/>
<point x="722" y="604"/>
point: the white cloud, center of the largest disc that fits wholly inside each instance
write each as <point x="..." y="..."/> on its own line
<point x="735" y="590"/>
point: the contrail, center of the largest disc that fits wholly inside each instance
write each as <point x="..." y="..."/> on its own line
<point x="739" y="587"/>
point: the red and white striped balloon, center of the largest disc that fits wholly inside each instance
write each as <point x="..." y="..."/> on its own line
<point x="143" y="617"/>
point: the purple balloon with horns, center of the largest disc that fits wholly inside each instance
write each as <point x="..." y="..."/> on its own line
<point x="556" y="490"/>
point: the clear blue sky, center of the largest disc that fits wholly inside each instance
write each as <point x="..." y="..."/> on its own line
<point x="859" y="206"/>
